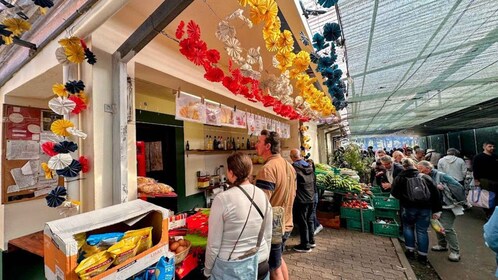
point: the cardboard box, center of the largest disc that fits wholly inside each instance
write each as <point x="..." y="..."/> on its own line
<point x="61" y="249"/>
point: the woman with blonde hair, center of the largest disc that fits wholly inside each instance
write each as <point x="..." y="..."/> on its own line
<point x="240" y="227"/>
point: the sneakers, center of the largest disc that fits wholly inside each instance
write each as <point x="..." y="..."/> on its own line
<point x="454" y="257"/>
<point x="301" y="249"/>
<point x="312" y="245"/>
<point x="318" y="229"/>
<point x="422" y="259"/>
<point x="410" y="254"/>
<point x="439" y="248"/>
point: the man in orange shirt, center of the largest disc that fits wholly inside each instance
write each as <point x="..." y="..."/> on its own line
<point x="277" y="179"/>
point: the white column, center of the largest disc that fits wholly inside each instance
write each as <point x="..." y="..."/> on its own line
<point x="132" y="135"/>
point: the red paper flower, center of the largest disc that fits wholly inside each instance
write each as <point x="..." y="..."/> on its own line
<point x="83" y="44"/>
<point x="193" y="30"/>
<point x="197" y="56"/>
<point x="214" y="75"/>
<point x="180" y="30"/>
<point x="80" y="104"/>
<point x="48" y="148"/>
<point x="85" y="165"/>
<point x="187" y="47"/>
<point x="268" y="101"/>
<point x="213" y="55"/>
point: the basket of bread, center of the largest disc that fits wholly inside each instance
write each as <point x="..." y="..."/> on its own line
<point x="180" y="248"/>
<point x="148" y="185"/>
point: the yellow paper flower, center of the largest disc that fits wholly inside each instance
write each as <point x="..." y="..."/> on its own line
<point x="16" y="25"/>
<point x="83" y="96"/>
<point x="243" y="3"/>
<point x="48" y="172"/>
<point x="285" y="59"/>
<point x="75" y="53"/>
<point x="302" y="61"/>
<point x="272" y="43"/>
<point x="71" y="41"/>
<point x="59" y="127"/>
<point x="8" y="39"/>
<point x="255" y="15"/>
<point x="271" y="10"/>
<point x="285" y="41"/>
<point x="59" y="90"/>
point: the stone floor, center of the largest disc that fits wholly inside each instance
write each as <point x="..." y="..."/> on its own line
<point x="343" y="254"/>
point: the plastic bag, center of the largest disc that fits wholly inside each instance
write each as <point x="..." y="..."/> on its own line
<point x="94" y="265"/>
<point x="104" y="239"/>
<point x="124" y="249"/>
<point x="437" y="226"/>
<point x="146" y="238"/>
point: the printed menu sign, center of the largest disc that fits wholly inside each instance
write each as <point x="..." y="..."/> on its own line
<point x="23" y="123"/>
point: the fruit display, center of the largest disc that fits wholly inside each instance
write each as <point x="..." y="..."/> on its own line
<point x="355" y="204"/>
<point x="331" y="182"/>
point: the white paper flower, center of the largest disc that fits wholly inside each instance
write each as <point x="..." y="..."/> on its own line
<point x="298" y="101"/>
<point x="76" y="132"/>
<point x="253" y="55"/>
<point x="247" y="71"/>
<point x="61" y="106"/>
<point x="237" y="14"/>
<point x="59" y="161"/>
<point x="224" y="31"/>
<point x="60" y="54"/>
<point x="232" y="46"/>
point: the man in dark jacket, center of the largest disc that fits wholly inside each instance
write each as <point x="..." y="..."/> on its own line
<point x="392" y="171"/>
<point x="416" y="214"/>
<point x="303" y="204"/>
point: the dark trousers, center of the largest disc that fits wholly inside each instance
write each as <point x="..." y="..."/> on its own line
<point x="316" y="223"/>
<point x="304" y="219"/>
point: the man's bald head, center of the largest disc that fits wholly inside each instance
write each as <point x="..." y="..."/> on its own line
<point x="295" y="154"/>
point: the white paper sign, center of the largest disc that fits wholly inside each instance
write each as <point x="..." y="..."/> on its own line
<point x="22" y="149"/>
<point x="23" y="181"/>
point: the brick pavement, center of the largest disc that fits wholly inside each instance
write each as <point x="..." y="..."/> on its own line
<point x="344" y="254"/>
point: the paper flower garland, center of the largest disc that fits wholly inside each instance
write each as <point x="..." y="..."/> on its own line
<point x="327" y="3"/>
<point x="59" y="161"/>
<point x="49" y="173"/>
<point x="48" y="148"/>
<point x="12" y="27"/>
<point x="71" y="170"/>
<point x="56" y="197"/>
<point x="74" y="50"/>
<point x="282" y="43"/>
<point x="65" y="147"/>
<point x="195" y="50"/>
<point x="59" y="127"/>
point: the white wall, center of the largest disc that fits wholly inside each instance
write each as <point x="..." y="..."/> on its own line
<point x="313" y="134"/>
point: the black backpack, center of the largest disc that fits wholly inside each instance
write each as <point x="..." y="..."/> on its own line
<point x="417" y="189"/>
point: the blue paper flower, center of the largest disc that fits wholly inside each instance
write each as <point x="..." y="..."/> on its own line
<point x="327" y="3"/>
<point x="324" y="63"/>
<point x="75" y="86"/>
<point x="65" y="147"/>
<point x="44" y="3"/>
<point x="71" y="171"/>
<point x="319" y="42"/>
<point x="314" y="57"/>
<point x="331" y="31"/>
<point x="304" y="38"/>
<point x="56" y="196"/>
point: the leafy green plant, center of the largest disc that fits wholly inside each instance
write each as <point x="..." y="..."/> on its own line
<point x="353" y="159"/>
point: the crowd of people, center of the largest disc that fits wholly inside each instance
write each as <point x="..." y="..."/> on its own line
<point x="252" y="220"/>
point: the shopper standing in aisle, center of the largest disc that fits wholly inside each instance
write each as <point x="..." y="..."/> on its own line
<point x="418" y="196"/>
<point x="240" y="227"/>
<point x="419" y="154"/>
<point x="398" y="156"/>
<point x="392" y="171"/>
<point x="452" y="198"/>
<point x="303" y="204"/>
<point x="485" y="170"/>
<point x="317" y="227"/>
<point x="277" y="179"/>
<point x="452" y="165"/>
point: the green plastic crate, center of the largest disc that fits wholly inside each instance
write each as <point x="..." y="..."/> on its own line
<point x="352" y="213"/>
<point x="375" y="189"/>
<point x="353" y="224"/>
<point x="382" y="194"/>
<point x="389" y="203"/>
<point x="388" y="230"/>
<point x="386" y="213"/>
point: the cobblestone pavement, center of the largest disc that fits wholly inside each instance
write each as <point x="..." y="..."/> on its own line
<point x="344" y="254"/>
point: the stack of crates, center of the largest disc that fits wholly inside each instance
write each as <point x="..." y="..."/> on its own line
<point x="386" y="207"/>
<point x="354" y="216"/>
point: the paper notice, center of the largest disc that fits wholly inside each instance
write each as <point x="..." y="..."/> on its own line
<point x="31" y="167"/>
<point x="23" y="181"/>
<point x="13" y="188"/>
<point x="44" y="183"/>
<point x="44" y="191"/>
<point x="22" y="149"/>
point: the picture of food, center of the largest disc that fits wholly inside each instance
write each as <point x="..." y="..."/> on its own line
<point x="190" y="108"/>
<point x="190" y="111"/>
<point x="226" y="115"/>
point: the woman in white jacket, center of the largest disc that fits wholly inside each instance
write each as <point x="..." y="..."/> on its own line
<point x="235" y="225"/>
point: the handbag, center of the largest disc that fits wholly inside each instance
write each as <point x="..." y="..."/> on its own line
<point x="278" y="228"/>
<point x="481" y="198"/>
<point x="245" y="267"/>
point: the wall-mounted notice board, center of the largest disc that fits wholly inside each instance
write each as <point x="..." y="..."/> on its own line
<point x="24" y="129"/>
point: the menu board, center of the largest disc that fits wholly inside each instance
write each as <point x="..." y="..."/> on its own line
<point x="23" y="123"/>
<point x="240" y="120"/>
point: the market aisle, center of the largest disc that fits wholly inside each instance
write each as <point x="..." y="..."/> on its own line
<point x="343" y="254"/>
<point x="478" y="261"/>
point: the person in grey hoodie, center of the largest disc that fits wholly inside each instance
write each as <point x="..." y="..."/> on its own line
<point x="453" y="165"/>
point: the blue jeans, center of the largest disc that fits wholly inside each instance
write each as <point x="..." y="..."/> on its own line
<point x="316" y="223"/>
<point x="415" y="223"/>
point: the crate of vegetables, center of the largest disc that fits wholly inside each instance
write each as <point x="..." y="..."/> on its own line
<point x="354" y="209"/>
<point x="386" y="227"/>
<point x="389" y="203"/>
<point x="386" y="213"/>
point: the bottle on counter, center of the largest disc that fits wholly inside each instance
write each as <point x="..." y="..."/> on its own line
<point x="215" y="143"/>
<point x="234" y="144"/>
<point x="225" y="142"/>
<point x="220" y="143"/>
<point x="242" y="144"/>
<point x="248" y="144"/>
<point x="188" y="146"/>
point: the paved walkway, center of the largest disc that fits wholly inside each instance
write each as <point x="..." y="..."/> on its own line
<point x="343" y="254"/>
<point x="478" y="261"/>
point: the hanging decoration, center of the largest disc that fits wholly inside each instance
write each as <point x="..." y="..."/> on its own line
<point x="325" y="57"/>
<point x="305" y="139"/>
<point x="11" y="28"/>
<point x="327" y="3"/>
<point x="74" y="50"/>
<point x="44" y="4"/>
<point x="282" y="44"/>
<point x="56" y="197"/>
<point x="195" y="50"/>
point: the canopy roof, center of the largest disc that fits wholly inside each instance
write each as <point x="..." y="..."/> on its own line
<point x="417" y="64"/>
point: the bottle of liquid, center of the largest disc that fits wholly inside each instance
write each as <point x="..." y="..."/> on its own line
<point x="248" y="144"/>
<point x="215" y="143"/>
<point x="220" y="143"/>
<point x="234" y="144"/>
<point x="243" y="144"/>
<point x="188" y="146"/>
<point x="237" y="144"/>
<point x="225" y="142"/>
